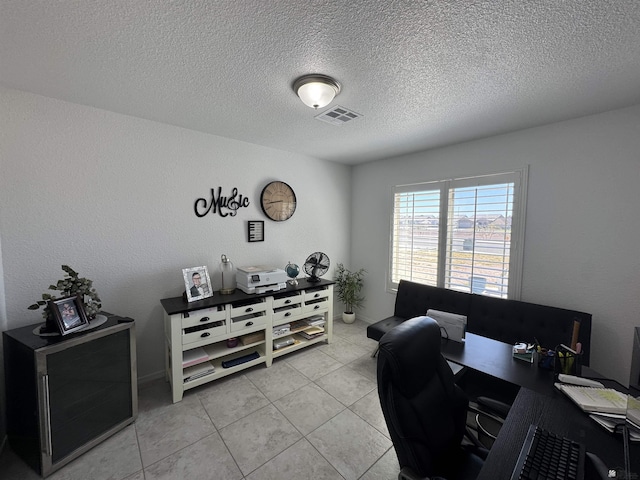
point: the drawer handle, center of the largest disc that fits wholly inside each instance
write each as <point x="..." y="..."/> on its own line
<point x="287" y="302"/>
<point x="204" y="319"/>
<point x="249" y="310"/>
<point x="248" y="324"/>
<point x="316" y="307"/>
<point x="205" y="334"/>
<point x="288" y="314"/>
<point x="316" y="295"/>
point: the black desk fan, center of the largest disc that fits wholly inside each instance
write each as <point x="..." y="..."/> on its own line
<point x="316" y="265"/>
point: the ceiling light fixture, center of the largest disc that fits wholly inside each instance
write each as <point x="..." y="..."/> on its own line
<point x="316" y="91"/>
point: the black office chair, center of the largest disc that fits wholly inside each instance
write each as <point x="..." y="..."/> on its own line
<point x="424" y="410"/>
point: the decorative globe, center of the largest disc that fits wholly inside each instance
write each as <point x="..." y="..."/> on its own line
<point x="292" y="270"/>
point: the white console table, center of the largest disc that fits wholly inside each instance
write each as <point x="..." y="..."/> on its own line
<point x="208" y="324"/>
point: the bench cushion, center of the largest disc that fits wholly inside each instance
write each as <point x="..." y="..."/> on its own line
<point x="378" y="329"/>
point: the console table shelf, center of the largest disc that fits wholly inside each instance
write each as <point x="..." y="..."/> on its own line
<point x="210" y="323"/>
<point x="300" y="343"/>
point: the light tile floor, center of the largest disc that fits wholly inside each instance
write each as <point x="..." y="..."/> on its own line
<point x="314" y="414"/>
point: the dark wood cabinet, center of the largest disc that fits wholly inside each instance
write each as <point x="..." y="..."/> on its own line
<point x="67" y="394"/>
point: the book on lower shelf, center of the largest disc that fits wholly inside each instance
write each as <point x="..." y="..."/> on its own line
<point x="250" y="338"/>
<point x="315" y="321"/>
<point x="197" y="371"/>
<point x="193" y="357"/>
<point x="312" y="332"/>
<point x="596" y="399"/>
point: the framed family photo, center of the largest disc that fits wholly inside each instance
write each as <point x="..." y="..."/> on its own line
<point x="68" y="314"/>
<point x="197" y="283"/>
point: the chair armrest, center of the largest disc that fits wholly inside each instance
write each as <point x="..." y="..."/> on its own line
<point x="486" y="414"/>
<point x="483" y="449"/>
<point x="408" y="474"/>
<point x="494" y="406"/>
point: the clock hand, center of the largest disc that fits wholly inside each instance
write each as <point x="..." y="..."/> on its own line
<point x="276" y="201"/>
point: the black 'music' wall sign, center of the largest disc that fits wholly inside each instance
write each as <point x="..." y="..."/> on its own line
<point x="223" y="206"/>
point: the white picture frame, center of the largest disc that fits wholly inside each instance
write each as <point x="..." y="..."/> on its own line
<point x="197" y="283"/>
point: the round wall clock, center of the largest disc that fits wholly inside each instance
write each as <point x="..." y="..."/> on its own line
<point x="278" y="201"/>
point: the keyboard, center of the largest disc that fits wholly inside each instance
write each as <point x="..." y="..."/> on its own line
<point x="546" y="455"/>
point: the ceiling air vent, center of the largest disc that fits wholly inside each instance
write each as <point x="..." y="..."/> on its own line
<point x="338" y="115"/>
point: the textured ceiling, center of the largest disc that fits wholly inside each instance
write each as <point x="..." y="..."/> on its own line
<point x="421" y="73"/>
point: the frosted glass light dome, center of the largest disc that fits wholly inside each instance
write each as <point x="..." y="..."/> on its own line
<point x="316" y="91"/>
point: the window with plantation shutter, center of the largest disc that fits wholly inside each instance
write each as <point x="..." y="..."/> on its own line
<point x="464" y="234"/>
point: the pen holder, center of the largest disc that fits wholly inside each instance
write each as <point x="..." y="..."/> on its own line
<point x="546" y="359"/>
<point x="567" y="362"/>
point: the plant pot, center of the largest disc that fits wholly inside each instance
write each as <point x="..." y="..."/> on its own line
<point x="348" y="317"/>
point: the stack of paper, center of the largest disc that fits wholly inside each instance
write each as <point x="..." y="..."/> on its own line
<point x="197" y="371"/>
<point x="315" y="321"/>
<point x="596" y="399"/>
<point x="613" y="423"/>
<point x="633" y="411"/>
<point x="312" y="332"/>
<point x="193" y="357"/>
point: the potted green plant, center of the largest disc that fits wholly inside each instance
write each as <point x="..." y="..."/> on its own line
<point x="71" y="284"/>
<point x="349" y="286"/>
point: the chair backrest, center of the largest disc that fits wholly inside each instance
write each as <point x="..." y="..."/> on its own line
<point x="424" y="410"/>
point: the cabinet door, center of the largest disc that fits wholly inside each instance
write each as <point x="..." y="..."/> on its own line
<point x="89" y="391"/>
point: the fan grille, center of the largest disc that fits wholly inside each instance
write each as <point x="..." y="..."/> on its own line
<point x="316" y="265"/>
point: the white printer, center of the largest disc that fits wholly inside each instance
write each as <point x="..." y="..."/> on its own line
<point x="261" y="279"/>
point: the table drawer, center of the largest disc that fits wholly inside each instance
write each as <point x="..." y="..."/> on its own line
<point x="206" y="315"/>
<point x="287" y="301"/>
<point x="316" y="295"/>
<point x="250" y="309"/>
<point x="312" y="307"/>
<point x="205" y="331"/>
<point x="248" y="322"/>
<point x="286" y="314"/>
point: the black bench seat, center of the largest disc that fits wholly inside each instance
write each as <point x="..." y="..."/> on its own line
<point x="508" y="321"/>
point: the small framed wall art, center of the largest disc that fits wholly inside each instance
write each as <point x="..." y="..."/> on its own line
<point x="68" y="314"/>
<point x="197" y="283"/>
<point x="255" y="231"/>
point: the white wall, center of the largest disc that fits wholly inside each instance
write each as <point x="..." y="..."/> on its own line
<point x="112" y="196"/>
<point x="3" y="326"/>
<point x="582" y="228"/>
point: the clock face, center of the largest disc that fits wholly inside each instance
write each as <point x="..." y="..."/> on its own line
<point x="278" y="201"/>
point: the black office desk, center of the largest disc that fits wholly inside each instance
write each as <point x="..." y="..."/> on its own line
<point x="496" y="359"/>
<point x="558" y="414"/>
<point x="538" y="402"/>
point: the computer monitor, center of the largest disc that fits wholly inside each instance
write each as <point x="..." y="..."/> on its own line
<point x="633" y="401"/>
<point x="634" y="377"/>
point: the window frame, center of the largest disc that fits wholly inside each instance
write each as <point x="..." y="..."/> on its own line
<point x="519" y="178"/>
